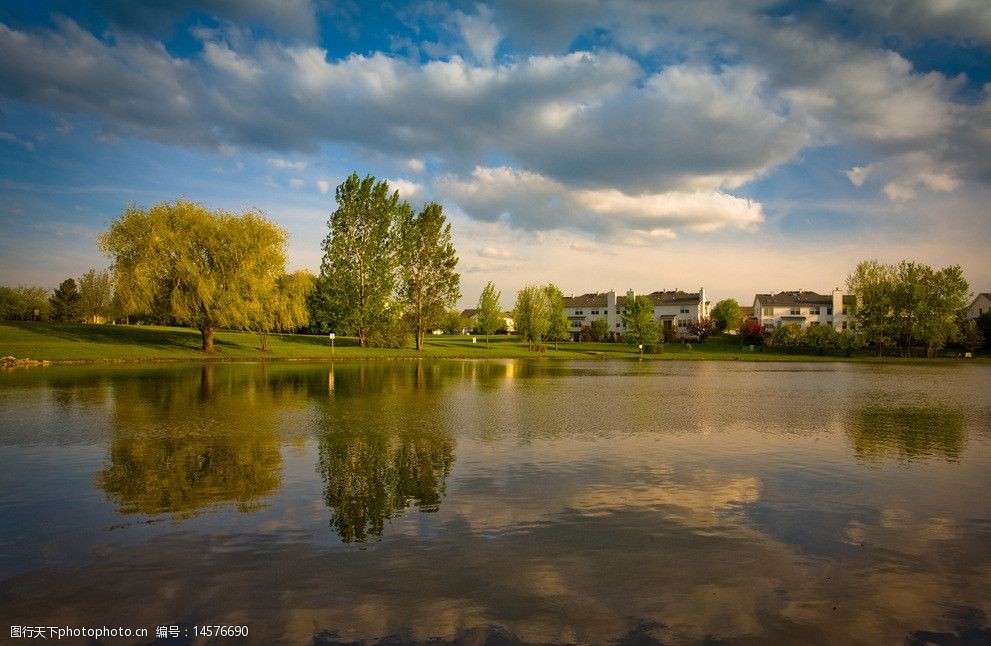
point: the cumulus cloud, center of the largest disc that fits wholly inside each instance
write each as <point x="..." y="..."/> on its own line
<point x="904" y="175"/>
<point x="527" y="200"/>
<point x="323" y="185"/>
<point x="407" y="190"/>
<point x="479" y="33"/>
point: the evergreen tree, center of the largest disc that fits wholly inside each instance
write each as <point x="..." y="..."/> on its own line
<point x="66" y="307"/>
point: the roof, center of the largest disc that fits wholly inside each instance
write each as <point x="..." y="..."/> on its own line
<point x="586" y="300"/>
<point x="469" y="313"/>
<point x="658" y="298"/>
<point x="802" y="298"/>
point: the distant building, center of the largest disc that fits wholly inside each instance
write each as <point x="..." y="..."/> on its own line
<point x="805" y="309"/>
<point x="981" y="305"/>
<point x="509" y="325"/>
<point x="675" y="308"/>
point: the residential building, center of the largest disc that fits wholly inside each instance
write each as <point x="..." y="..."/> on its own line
<point x="981" y="305"/>
<point x="673" y="308"/>
<point x="805" y="308"/>
<point x="509" y="325"/>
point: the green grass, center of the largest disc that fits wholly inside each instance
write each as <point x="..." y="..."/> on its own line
<point x="121" y="343"/>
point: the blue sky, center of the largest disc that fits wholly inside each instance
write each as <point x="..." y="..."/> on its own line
<point x="743" y="146"/>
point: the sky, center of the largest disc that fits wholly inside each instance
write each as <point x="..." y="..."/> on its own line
<point x="742" y="146"/>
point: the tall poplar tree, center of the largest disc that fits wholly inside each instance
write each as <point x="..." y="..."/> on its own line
<point x="489" y="316"/>
<point x="428" y="282"/>
<point x="358" y="272"/>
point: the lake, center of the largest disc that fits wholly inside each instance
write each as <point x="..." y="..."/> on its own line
<point x="499" y="502"/>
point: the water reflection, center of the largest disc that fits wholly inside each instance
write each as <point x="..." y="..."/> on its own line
<point x="907" y="433"/>
<point x="182" y="448"/>
<point x="389" y="452"/>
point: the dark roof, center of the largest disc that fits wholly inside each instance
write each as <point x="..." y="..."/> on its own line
<point x="586" y="300"/>
<point x="659" y="298"/>
<point x="469" y="313"/>
<point x="802" y="298"/>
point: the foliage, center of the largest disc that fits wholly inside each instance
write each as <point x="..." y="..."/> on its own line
<point x="847" y="341"/>
<point x="701" y="328"/>
<point x="971" y="337"/>
<point x="358" y="272"/>
<point x="727" y="315"/>
<point x="752" y="332"/>
<point x="599" y="329"/>
<point x="788" y="336"/>
<point x="821" y="338"/>
<point x="206" y="267"/>
<point x="283" y="307"/>
<point x="20" y="303"/>
<point x="908" y="304"/>
<point x="532" y="315"/>
<point x="95" y="295"/>
<point x="558" y="327"/>
<point x="640" y="328"/>
<point x="428" y="282"/>
<point x="453" y="322"/>
<point x="983" y="323"/>
<point x="66" y="307"/>
<point x="489" y="317"/>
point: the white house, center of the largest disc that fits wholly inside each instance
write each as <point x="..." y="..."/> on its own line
<point x="671" y="309"/>
<point x="805" y="308"/>
<point x="509" y="325"/>
<point x="981" y="305"/>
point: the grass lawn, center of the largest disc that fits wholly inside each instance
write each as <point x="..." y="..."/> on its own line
<point x="60" y="342"/>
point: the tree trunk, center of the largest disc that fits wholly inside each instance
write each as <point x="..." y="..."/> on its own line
<point x="208" y="333"/>
<point x="263" y="341"/>
<point x="419" y="339"/>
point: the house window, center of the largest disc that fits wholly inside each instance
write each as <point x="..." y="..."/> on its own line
<point x="579" y="312"/>
<point x="796" y="311"/>
<point x="844" y="310"/>
<point x="595" y="312"/>
<point x="684" y="310"/>
<point x="617" y="325"/>
<point x="768" y="311"/>
<point x="829" y="311"/>
<point x="814" y="310"/>
<point x="576" y="324"/>
<point x="844" y="325"/>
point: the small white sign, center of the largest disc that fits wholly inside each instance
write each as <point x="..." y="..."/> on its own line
<point x="331" y="336"/>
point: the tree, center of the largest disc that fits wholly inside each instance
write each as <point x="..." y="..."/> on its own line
<point x="283" y="308"/>
<point x="788" y="336"/>
<point x="206" y="267"/>
<point x="358" y="272"/>
<point x="66" y="307"/>
<point x="558" y="324"/>
<point x="428" y="282"/>
<point x="489" y="316"/>
<point x="21" y="303"/>
<point x="821" y="338"/>
<point x="701" y="328"/>
<point x="95" y="294"/>
<point x="943" y="302"/>
<point x="599" y="329"/>
<point x="873" y="284"/>
<point x="640" y="328"/>
<point x="971" y="337"/>
<point x="984" y="327"/>
<point x="727" y="315"/>
<point x="532" y="315"/>
<point x="752" y="332"/>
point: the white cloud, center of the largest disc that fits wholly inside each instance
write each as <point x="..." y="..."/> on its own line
<point x="296" y="182"/>
<point x="529" y="201"/>
<point x="416" y="165"/>
<point x="479" y="33"/>
<point x="222" y="58"/>
<point x="496" y="253"/>
<point x="323" y="185"/>
<point x="284" y="164"/>
<point x="407" y="190"/>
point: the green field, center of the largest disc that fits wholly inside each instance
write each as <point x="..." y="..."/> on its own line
<point x="66" y="343"/>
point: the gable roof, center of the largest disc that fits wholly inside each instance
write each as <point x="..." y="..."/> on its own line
<point x="586" y="300"/>
<point x="802" y="298"/>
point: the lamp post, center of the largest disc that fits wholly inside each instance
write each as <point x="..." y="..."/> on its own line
<point x="332" y="335"/>
<point x="641" y="351"/>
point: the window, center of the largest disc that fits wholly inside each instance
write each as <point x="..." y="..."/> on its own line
<point x="796" y="311"/>
<point x="579" y="312"/>
<point x="844" y="310"/>
<point x="576" y="324"/>
<point x="768" y="311"/>
<point x="684" y="310"/>
<point x="844" y="325"/>
<point x="595" y="312"/>
<point x="617" y="325"/>
<point x="814" y="310"/>
<point x="829" y="311"/>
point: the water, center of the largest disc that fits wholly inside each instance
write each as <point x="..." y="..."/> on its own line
<point x="496" y="502"/>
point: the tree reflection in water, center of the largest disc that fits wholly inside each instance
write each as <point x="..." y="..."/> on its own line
<point x="185" y="445"/>
<point x="907" y="432"/>
<point x="391" y="452"/>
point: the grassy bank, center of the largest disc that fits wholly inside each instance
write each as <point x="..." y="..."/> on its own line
<point x="122" y="343"/>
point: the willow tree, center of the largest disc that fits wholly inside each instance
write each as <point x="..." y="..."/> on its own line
<point x="284" y="307"/>
<point x="358" y="273"/>
<point x="428" y="282"/>
<point x="206" y="267"/>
